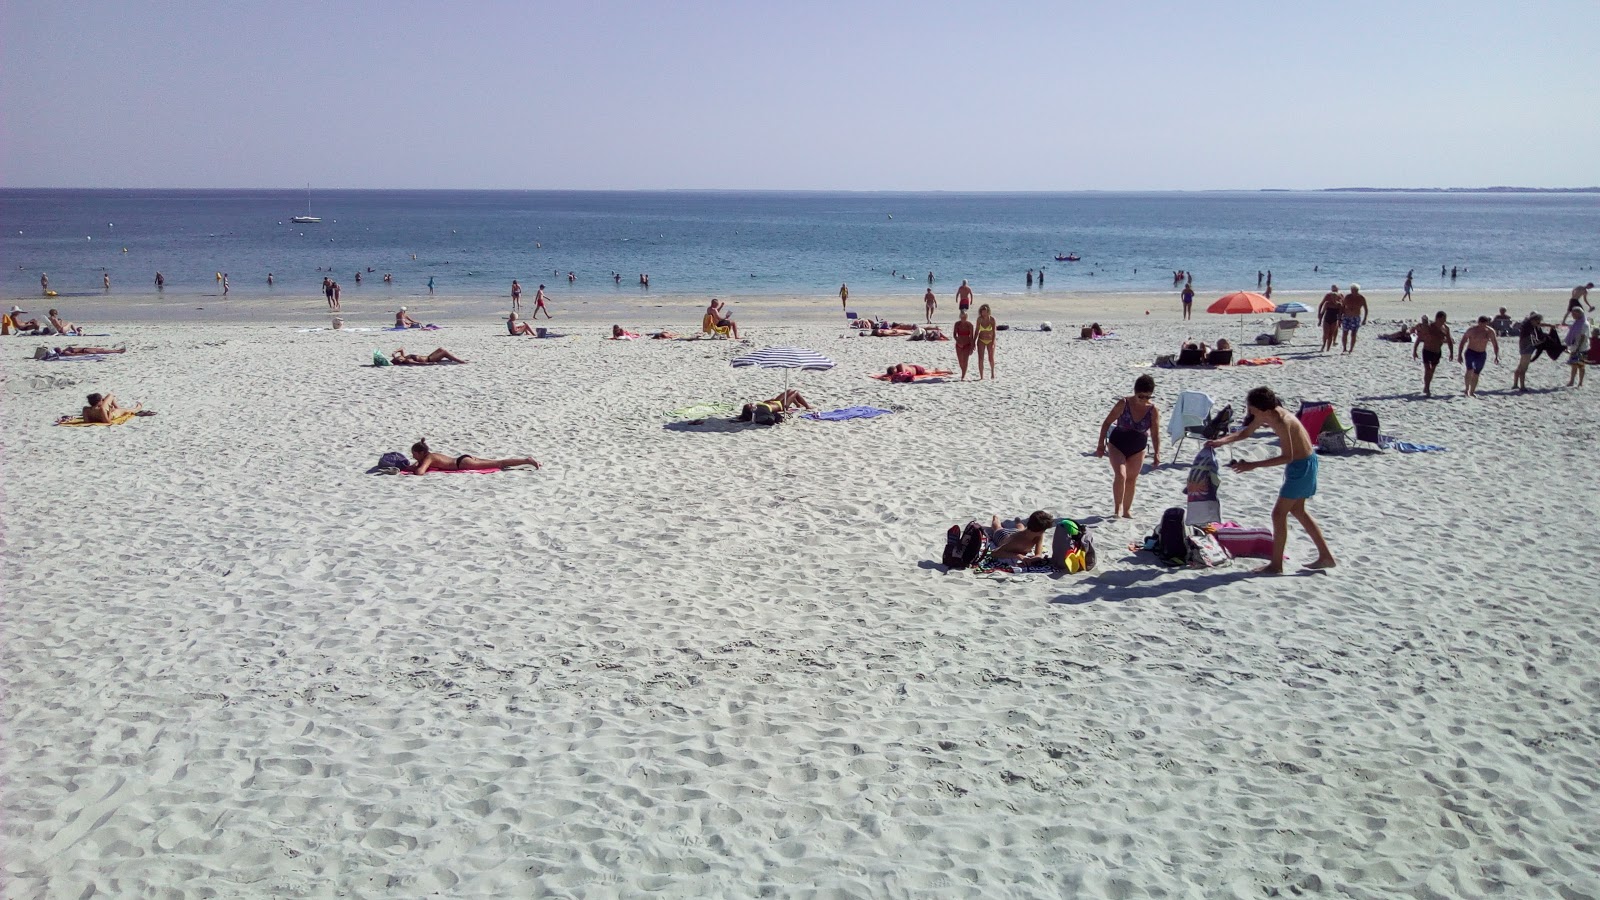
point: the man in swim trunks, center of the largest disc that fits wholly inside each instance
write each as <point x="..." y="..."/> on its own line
<point x="428" y="461"/>
<point x="104" y="409"/>
<point x="929" y="304"/>
<point x="963" y="296"/>
<point x="538" y="304"/>
<point x="1353" y="315"/>
<point x="1475" y="342"/>
<point x="1430" y="337"/>
<point x="1299" y="477"/>
<point x="1580" y="296"/>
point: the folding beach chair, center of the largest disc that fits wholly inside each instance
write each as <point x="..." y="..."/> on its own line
<point x="1328" y="434"/>
<point x="1366" y="424"/>
<point x="1188" y="419"/>
<point x="1191" y="356"/>
<point x="1219" y="358"/>
<point x="1284" y="332"/>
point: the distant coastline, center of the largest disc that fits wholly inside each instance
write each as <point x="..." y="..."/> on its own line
<point x="1498" y="189"/>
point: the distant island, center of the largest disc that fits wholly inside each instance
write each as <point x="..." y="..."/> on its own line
<point x="1462" y="190"/>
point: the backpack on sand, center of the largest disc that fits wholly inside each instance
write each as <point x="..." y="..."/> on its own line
<point x="1071" y="547"/>
<point x="963" y="546"/>
<point x="1172" y="537"/>
<point x="1205" y="552"/>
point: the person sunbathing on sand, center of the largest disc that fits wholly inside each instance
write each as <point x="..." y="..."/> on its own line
<point x="785" y="401"/>
<point x="1023" y="546"/>
<point x="402" y="319"/>
<point x="63" y="327"/>
<point x="104" y="408"/>
<point x="904" y="372"/>
<point x="664" y="336"/>
<point x="86" y="351"/>
<point x="515" y="328"/>
<point x="440" y="355"/>
<point x="427" y="460"/>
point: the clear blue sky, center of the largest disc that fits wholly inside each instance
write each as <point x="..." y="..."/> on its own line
<point x="799" y="95"/>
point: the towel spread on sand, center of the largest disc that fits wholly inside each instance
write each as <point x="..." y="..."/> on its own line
<point x="78" y="422"/>
<point x="97" y="357"/>
<point x="451" y="471"/>
<point x="935" y="375"/>
<point x="428" y="327"/>
<point x="704" y="410"/>
<point x="1261" y="361"/>
<point x="1389" y="442"/>
<point x="849" y="412"/>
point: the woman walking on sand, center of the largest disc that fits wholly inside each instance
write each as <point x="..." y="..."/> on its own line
<point x="963" y="333"/>
<point x="985" y="334"/>
<point x="1137" y="425"/>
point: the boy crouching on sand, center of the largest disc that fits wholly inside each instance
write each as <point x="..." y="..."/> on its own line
<point x="1299" y="478"/>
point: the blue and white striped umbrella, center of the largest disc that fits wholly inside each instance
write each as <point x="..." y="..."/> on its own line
<point x="785" y="358"/>
<point x="1293" y="308"/>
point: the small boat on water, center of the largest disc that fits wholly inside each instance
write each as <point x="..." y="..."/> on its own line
<point x="308" y="218"/>
<point x="1070" y="257"/>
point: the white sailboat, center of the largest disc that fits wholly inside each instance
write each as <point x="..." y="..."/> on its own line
<point x="308" y="218"/>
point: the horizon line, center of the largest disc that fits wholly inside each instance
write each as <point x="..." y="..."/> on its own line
<point x="714" y="190"/>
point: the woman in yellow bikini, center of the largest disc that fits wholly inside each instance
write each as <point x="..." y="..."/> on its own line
<point x="985" y="331"/>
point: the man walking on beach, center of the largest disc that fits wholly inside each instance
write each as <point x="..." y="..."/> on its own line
<point x="1580" y="295"/>
<point x="929" y="304"/>
<point x="1475" y="342"/>
<point x="538" y="304"/>
<point x="1430" y="337"/>
<point x="1188" y="300"/>
<point x="1299" y="478"/>
<point x="844" y="296"/>
<point x="963" y="296"/>
<point x="1407" y="295"/>
<point x="1353" y="315"/>
<point x="516" y="294"/>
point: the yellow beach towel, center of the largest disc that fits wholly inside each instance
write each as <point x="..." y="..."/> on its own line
<point x="77" y="421"/>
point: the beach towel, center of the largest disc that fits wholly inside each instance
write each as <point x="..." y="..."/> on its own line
<point x="935" y="375"/>
<point x="886" y="332"/>
<point x="1261" y="361"/>
<point x="429" y="327"/>
<point x="1392" y="443"/>
<point x="625" y="336"/>
<point x="96" y="357"/>
<point x="849" y="412"/>
<point x="705" y="410"/>
<point x="122" y="417"/>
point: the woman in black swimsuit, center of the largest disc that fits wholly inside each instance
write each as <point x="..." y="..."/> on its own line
<point x="428" y="461"/>
<point x="1137" y="424"/>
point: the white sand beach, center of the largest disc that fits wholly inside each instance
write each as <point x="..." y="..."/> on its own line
<point x="709" y="660"/>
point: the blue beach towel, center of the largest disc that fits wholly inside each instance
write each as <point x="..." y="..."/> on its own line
<point x="849" y="412"/>
<point x="1392" y="443"/>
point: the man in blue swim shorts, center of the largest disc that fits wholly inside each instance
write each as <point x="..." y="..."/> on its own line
<point x="1352" y="315"/>
<point x="1475" y="344"/>
<point x="1299" y="477"/>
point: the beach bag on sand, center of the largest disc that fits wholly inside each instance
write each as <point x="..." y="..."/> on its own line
<point x="1217" y="425"/>
<point x="1171" y="539"/>
<point x="379" y="360"/>
<point x="1071" y="547"/>
<point x="963" y="546"/>
<point x="1204" y="550"/>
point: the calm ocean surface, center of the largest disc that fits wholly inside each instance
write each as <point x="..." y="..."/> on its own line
<point x="472" y="243"/>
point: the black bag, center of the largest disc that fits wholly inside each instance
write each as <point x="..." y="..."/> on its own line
<point x="962" y="549"/>
<point x="1217" y="425"/>
<point x="1172" y="537"/>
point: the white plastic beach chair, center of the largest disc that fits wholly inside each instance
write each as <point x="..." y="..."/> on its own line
<point x="1188" y="418"/>
<point x="1284" y="332"/>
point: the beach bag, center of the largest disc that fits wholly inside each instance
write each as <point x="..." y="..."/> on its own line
<point x="1245" y="543"/>
<point x="765" y="415"/>
<point x="1333" y="443"/>
<point x="1204" y="550"/>
<point x="1217" y="425"/>
<point x="1172" y="537"/>
<point x="963" y="548"/>
<point x="379" y="360"/>
<point x="1071" y="548"/>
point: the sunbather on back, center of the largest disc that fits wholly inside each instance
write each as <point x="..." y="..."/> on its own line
<point x="401" y="358"/>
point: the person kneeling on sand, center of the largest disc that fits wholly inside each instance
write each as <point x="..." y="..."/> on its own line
<point x="427" y="460"/>
<point x="785" y="401"/>
<point x="104" y="408"/>
<point x="1299" y="477"/>
<point x="1022" y="545"/>
<point x="440" y="355"/>
<point x="515" y="328"/>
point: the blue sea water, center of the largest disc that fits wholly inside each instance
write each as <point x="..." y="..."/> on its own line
<point x="700" y="243"/>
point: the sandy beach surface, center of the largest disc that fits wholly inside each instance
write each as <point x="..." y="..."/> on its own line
<point x="707" y="660"/>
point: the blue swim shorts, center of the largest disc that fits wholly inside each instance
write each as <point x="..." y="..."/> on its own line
<point x="1300" y="479"/>
<point x="1350" y="323"/>
<point x="1475" y="359"/>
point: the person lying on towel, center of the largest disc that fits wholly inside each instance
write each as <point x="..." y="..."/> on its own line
<point x="1020" y="546"/>
<point x="785" y="401"/>
<point x="440" y="355"/>
<point x="427" y="460"/>
<point x="104" y="409"/>
<point x="904" y="373"/>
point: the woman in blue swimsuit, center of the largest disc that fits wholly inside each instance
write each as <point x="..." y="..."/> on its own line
<point x="1137" y="425"/>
